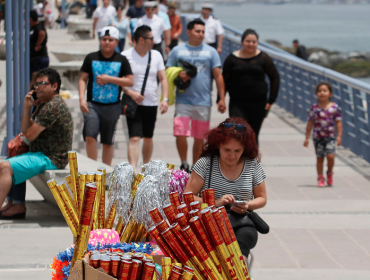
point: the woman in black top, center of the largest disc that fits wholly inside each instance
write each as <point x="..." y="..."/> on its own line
<point x="244" y="73"/>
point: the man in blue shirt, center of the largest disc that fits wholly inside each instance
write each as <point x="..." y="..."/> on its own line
<point x="193" y="106"/>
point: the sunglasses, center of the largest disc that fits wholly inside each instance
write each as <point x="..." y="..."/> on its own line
<point x="237" y="127"/>
<point x="149" y="38"/>
<point x="41" y="84"/>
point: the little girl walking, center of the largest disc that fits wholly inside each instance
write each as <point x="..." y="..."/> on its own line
<point x="322" y="117"/>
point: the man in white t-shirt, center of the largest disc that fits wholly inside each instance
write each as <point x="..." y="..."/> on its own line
<point x="214" y="29"/>
<point x="142" y="125"/>
<point x="157" y="25"/>
<point x="101" y="16"/>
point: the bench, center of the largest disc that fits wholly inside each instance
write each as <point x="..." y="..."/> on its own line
<point x="80" y="28"/>
<point x="84" y="164"/>
<point x="69" y="72"/>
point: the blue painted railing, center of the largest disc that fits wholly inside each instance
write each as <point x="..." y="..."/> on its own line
<point x="297" y="89"/>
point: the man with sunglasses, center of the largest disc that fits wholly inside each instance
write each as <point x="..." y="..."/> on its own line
<point x="158" y="26"/>
<point x="49" y="131"/>
<point x="193" y="105"/>
<point x="105" y="72"/>
<point x="143" y="123"/>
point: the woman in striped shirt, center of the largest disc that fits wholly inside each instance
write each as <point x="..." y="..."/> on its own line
<point x="230" y="164"/>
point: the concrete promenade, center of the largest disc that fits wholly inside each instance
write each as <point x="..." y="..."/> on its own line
<point x="316" y="233"/>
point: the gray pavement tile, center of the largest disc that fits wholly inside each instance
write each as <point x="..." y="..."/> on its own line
<point x="29" y="274"/>
<point x="361" y="237"/>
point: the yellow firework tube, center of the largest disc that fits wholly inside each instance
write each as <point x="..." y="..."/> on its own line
<point x="90" y="177"/>
<point x="63" y="191"/>
<point x="186" y="275"/>
<point x="203" y="206"/>
<point x="82" y="188"/>
<point x="178" y="264"/>
<point x="170" y="166"/>
<point x="127" y="231"/>
<point x="53" y="188"/>
<point x="95" y="217"/>
<point x="119" y="226"/>
<point x="139" y="232"/>
<point x="111" y="217"/>
<point x="84" y="227"/>
<point x="136" y="182"/>
<point x="166" y="268"/>
<point x="73" y="168"/>
<point x="102" y="194"/>
<point x="133" y="232"/>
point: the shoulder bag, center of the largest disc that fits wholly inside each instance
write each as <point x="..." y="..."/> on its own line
<point x="129" y="106"/>
<point x="17" y="146"/>
<point x="249" y="219"/>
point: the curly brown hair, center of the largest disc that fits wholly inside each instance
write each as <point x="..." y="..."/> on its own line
<point x="220" y="135"/>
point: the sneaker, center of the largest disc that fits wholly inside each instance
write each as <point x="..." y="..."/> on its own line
<point x="329" y="178"/>
<point x="321" y="181"/>
<point x="185" y="167"/>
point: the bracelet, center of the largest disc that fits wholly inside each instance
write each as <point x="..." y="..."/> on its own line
<point x="165" y="99"/>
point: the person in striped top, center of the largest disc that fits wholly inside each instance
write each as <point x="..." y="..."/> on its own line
<point x="230" y="164"/>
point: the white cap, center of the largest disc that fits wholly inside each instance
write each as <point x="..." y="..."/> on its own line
<point x="150" y="4"/>
<point x="207" y="6"/>
<point x="110" y="31"/>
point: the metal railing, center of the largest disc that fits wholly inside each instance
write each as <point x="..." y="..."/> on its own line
<point x="297" y="89"/>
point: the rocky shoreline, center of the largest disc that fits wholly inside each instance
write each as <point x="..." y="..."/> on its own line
<point x="353" y="64"/>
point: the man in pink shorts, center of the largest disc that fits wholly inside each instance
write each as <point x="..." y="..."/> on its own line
<point x="193" y="105"/>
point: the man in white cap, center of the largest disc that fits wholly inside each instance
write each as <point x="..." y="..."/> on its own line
<point x="157" y="25"/>
<point x="214" y="29"/>
<point x="101" y="17"/>
<point x="105" y="72"/>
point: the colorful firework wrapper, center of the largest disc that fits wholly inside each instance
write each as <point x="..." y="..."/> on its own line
<point x="53" y="188"/>
<point x="194" y="205"/>
<point x="188" y="198"/>
<point x="169" y="211"/>
<point x="84" y="228"/>
<point x="175" y="200"/>
<point x="75" y="182"/>
<point x="111" y="217"/>
<point x="156" y="215"/>
<point x="63" y="191"/>
<point x="177" y="267"/>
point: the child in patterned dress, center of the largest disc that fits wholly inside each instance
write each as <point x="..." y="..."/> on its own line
<point x="322" y="117"/>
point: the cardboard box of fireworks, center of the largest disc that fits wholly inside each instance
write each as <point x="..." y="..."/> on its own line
<point x="83" y="271"/>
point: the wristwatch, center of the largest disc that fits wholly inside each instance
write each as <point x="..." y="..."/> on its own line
<point x="165" y="99"/>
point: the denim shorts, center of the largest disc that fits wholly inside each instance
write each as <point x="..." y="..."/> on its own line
<point x="30" y="164"/>
<point x="324" y="146"/>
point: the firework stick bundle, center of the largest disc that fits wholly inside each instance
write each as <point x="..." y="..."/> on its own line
<point x="200" y="232"/>
<point x="75" y="182"/>
<point x="214" y="233"/>
<point x="119" y="226"/>
<point x="53" y="188"/>
<point x="82" y="189"/>
<point x="202" y="255"/>
<point x="162" y="226"/>
<point x="175" y="201"/>
<point x="95" y="221"/>
<point x="90" y="177"/>
<point x="63" y="192"/>
<point x="124" y="270"/>
<point x="111" y="217"/>
<point x="127" y="231"/>
<point x="169" y="211"/>
<point x="188" y="198"/>
<point x="174" y="275"/>
<point x="200" y="272"/>
<point x="226" y="236"/>
<point x="186" y="275"/>
<point x="102" y="197"/>
<point x="84" y="227"/>
<point x="156" y="215"/>
<point x="154" y="233"/>
<point x="235" y="244"/>
<point x="208" y="196"/>
<point x="194" y="213"/>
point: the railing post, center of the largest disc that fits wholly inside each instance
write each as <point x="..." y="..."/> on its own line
<point x="22" y="58"/>
<point x="62" y="18"/>
<point x="16" y="66"/>
<point x="9" y="77"/>
<point x="27" y="39"/>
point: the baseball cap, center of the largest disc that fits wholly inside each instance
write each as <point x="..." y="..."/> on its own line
<point x="150" y="4"/>
<point x="110" y="31"/>
<point x="207" y="6"/>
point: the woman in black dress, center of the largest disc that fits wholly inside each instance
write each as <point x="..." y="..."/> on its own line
<point x="244" y="73"/>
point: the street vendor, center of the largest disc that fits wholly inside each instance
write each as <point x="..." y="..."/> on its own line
<point x="49" y="132"/>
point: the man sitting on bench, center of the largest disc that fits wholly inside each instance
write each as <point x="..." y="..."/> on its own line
<point x="49" y="131"/>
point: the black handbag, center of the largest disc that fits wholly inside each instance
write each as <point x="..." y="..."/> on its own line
<point x="129" y="106"/>
<point x="249" y="219"/>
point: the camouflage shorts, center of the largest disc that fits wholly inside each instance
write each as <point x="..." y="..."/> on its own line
<point x="324" y="146"/>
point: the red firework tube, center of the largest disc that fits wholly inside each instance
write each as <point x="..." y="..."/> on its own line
<point x="228" y="224"/>
<point x="194" y="213"/>
<point x="221" y="226"/>
<point x="202" y="254"/>
<point x="162" y="226"/>
<point x="139" y="257"/>
<point x="105" y="263"/>
<point x="188" y="198"/>
<point x="175" y="246"/>
<point x="124" y="270"/>
<point x="169" y="211"/>
<point x="140" y="270"/>
<point x="177" y="268"/>
<point x="183" y="209"/>
<point x="148" y="271"/>
<point x="134" y="269"/>
<point x="175" y="200"/>
<point x="115" y="266"/>
<point x="147" y="260"/>
<point x="194" y="205"/>
<point x="188" y="268"/>
<point x="223" y="252"/>
<point x="174" y="275"/>
<point x="154" y="233"/>
<point x="94" y="261"/>
<point x="208" y="196"/>
<point x="182" y="220"/>
<point x="155" y="215"/>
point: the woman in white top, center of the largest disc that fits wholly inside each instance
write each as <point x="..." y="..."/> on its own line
<point x="230" y="164"/>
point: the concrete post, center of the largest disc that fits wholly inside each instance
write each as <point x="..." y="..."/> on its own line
<point x="16" y="81"/>
<point x="22" y="57"/>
